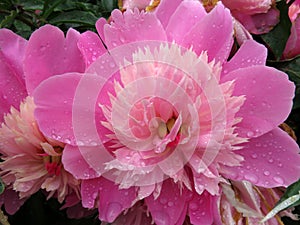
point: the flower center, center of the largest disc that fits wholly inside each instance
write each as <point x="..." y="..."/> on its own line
<point x="165" y="128"/>
<point x="209" y="4"/>
<point x="153" y="5"/>
<point x="53" y="163"/>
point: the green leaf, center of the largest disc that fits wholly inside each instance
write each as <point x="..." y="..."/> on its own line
<point x="276" y="39"/>
<point x="109" y="5"/>
<point x="292" y="190"/>
<point x="75" y="17"/>
<point x="2" y="186"/>
<point x="8" y="20"/>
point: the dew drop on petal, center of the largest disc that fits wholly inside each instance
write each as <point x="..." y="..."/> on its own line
<point x="251" y="177"/>
<point x="266" y="173"/>
<point x="278" y="179"/>
<point x="254" y="155"/>
<point x="113" y="210"/>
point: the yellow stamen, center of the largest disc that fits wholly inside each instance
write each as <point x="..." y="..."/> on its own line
<point x="170" y="124"/>
<point x="153" y="5"/>
<point x="162" y="130"/>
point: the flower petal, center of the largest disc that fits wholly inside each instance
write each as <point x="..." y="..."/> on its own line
<point x="169" y="205"/>
<point x="62" y="111"/>
<point x="214" y="34"/>
<point x="132" y="26"/>
<point x="183" y="19"/>
<point x="266" y="90"/>
<point x="201" y="209"/>
<point x="271" y="160"/>
<point x="112" y="200"/>
<point x="50" y="53"/>
<point x="12" y="83"/>
<point x="75" y="163"/>
<point x="165" y="10"/>
<point x="249" y="54"/>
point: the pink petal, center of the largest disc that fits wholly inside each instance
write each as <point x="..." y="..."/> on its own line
<point x="100" y="27"/>
<point x="249" y="54"/>
<point x="75" y="163"/>
<point x="268" y="102"/>
<point x="63" y="112"/>
<point x="12" y="83"/>
<point x="183" y="19"/>
<point x="50" y="53"/>
<point x="165" y="10"/>
<point x="112" y="200"/>
<point x="132" y="26"/>
<point x="170" y="204"/>
<point x="292" y="47"/>
<point x="91" y="47"/>
<point x="214" y="34"/>
<point x="271" y="160"/>
<point x="11" y="201"/>
<point x="201" y="209"/>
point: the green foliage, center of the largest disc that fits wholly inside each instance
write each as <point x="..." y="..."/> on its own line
<point x="276" y="39"/>
<point x="2" y="186"/>
<point x="292" y="190"/>
<point x="23" y="17"/>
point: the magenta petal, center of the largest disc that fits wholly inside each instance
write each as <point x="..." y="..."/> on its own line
<point x="132" y="26"/>
<point x="112" y="200"/>
<point x="170" y="204"/>
<point x="50" y="53"/>
<point x="271" y="160"/>
<point x="214" y="34"/>
<point x="62" y="111"/>
<point x="91" y="47"/>
<point x="165" y="10"/>
<point x="183" y="19"/>
<point x="12" y="83"/>
<point x="250" y="53"/>
<point x="201" y="209"/>
<point x="268" y="94"/>
<point x="292" y="47"/>
<point x="11" y="201"/>
<point x="75" y="163"/>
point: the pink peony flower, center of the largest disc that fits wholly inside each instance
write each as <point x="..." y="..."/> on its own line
<point x="161" y="119"/>
<point x="31" y="161"/>
<point x="292" y="47"/>
<point x="131" y="4"/>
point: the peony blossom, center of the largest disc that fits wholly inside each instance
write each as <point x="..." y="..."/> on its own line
<point x="31" y="161"/>
<point x="161" y="120"/>
<point x="292" y="47"/>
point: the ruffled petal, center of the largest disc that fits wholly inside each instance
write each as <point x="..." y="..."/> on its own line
<point x="292" y="47"/>
<point x="12" y="83"/>
<point x="214" y="34"/>
<point x="201" y="209"/>
<point x="183" y="19"/>
<point x="271" y="160"/>
<point x="49" y="53"/>
<point x="249" y="54"/>
<point x="257" y="84"/>
<point x="169" y="205"/>
<point x="132" y="26"/>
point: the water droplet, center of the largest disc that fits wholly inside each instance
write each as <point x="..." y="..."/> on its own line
<point x="170" y="204"/>
<point x="280" y="165"/>
<point x="271" y="160"/>
<point x="278" y="179"/>
<point x="4" y="97"/>
<point x="251" y="177"/>
<point x="113" y="210"/>
<point x="193" y="206"/>
<point x="163" y="201"/>
<point x="254" y="155"/>
<point x="250" y="134"/>
<point x="266" y="173"/>
<point x="67" y="141"/>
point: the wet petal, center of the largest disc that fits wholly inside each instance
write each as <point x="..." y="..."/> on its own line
<point x="266" y="90"/>
<point x="91" y="47"/>
<point x="112" y="200"/>
<point x="183" y="19"/>
<point x="271" y="160"/>
<point x="132" y="26"/>
<point x="62" y="111"/>
<point x="164" y="11"/>
<point x="249" y="54"/>
<point x="201" y="209"/>
<point x="12" y="84"/>
<point x="169" y="205"/>
<point x="214" y="34"/>
<point x="75" y="163"/>
<point x="50" y="53"/>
